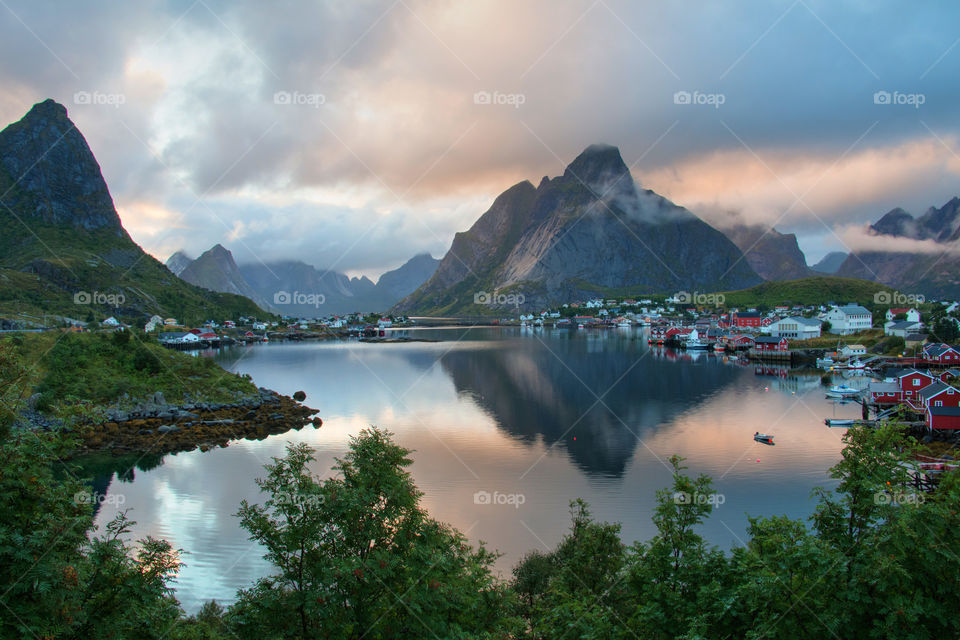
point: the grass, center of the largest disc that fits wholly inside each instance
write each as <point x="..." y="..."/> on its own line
<point x="77" y="373"/>
<point x="807" y="291"/>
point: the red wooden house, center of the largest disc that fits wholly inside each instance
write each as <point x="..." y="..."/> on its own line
<point x="940" y="394"/>
<point x="913" y="382"/>
<point x="886" y="393"/>
<point x="941" y="355"/>
<point x="740" y="341"/>
<point x="746" y="319"/>
<point x="769" y="343"/>
<point x="943" y="417"/>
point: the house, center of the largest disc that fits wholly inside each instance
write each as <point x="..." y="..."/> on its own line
<point x="170" y="322"/>
<point x="901" y="328"/>
<point x="885" y="393"/>
<point x="259" y="326"/>
<point x="949" y="374"/>
<point x="913" y="340"/>
<point x="111" y="322"/>
<point x="740" y="341"/>
<point x="796" y="327"/>
<point x="229" y="324"/>
<point x="943" y="417"/>
<point x="940" y="394"/>
<point x="153" y="324"/>
<point x="912" y="315"/>
<point x="746" y="319"/>
<point x="383" y="323"/>
<point x="912" y="382"/>
<point x="850" y="318"/>
<point x="941" y="354"/>
<point x="178" y="337"/>
<point x="770" y="343"/>
<point x="853" y="350"/>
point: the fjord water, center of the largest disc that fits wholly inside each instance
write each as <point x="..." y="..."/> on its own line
<point x="529" y="418"/>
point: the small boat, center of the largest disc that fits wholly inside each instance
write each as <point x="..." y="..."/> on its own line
<point x="826" y="363"/>
<point x="696" y="344"/>
<point x="856" y="364"/>
<point x="838" y="422"/>
<point x="842" y="391"/>
<point x="763" y="437"/>
<point x="580" y="326"/>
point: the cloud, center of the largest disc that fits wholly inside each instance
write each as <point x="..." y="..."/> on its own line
<point x="399" y="142"/>
<point x="860" y="239"/>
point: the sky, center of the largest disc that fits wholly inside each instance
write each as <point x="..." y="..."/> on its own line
<point x="353" y="135"/>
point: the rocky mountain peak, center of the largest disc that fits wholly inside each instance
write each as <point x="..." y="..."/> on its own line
<point x="49" y="160"/>
<point x="598" y="165"/>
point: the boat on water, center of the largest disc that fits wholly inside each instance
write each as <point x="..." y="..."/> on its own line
<point x="842" y="391"/>
<point x="696" y="344"/>
<point x="839" y="422"/>
<point x="765" y="438"/>
<point x="856" y="364"/>
<point x="719" y="347"/>
<point x="826" y="362"/>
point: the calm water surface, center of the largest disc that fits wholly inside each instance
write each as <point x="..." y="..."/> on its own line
<point x="547" y="415"/>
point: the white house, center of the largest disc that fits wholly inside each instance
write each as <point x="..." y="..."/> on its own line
<point x="796" y="327"/>
<point x="901" y="328"/>
<point x="111" y="322"/>
<point x="153" y="324"/>
<point x="848" y="319"/>
<point x="178" y="337"/>
<point x="851" y="350"/>
<point x="912" y="315"/>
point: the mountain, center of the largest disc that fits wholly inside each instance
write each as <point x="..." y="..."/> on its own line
<point x="405" y="279"/>
<point x="63" y="249"/>
<point x="586" y="233"/>
<point x="216" y="270"/>
<point x="773" y="255"/>
<point x="830" y="262"/>
<point x="934" y="272"/>
<point x="178" y="262"/>
<point x="295" y="288"/>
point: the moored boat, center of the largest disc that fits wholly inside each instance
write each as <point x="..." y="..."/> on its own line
<point x="842" y="391"/>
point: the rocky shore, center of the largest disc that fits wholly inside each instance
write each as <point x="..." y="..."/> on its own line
<point x="158" y="427"/>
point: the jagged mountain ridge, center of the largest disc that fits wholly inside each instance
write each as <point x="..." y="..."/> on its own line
<point x="587" y="232"/>
<point x="933" y="273"/>
<point x="177" y="262"/>
<point x="773" y="255"/>
<point x="216" y="270"/>
<point x="62" y="235"/>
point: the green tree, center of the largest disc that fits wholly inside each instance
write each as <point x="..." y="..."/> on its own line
<point x="356" y="555"/>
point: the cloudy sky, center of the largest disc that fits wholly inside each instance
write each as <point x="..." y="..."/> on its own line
<point x="355" y="134"/>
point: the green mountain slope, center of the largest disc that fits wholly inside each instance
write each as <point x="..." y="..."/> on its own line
<point x="63" y="249"/>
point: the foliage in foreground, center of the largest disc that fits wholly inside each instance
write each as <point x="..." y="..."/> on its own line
<point x="356" y="556"/>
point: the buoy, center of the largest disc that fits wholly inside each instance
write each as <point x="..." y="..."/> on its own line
<point x="758" y="459"/>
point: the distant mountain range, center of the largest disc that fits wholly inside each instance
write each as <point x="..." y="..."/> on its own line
<point x="298" y="289"/>
<point x="63" y="249"/>
<point x="830" y="263"/>
<point x="934" y="272"/>
<point x="591" y="231"/>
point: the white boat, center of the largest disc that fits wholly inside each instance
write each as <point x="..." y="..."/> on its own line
<point x="538" y="322"/>
<point x="826" y="363"/>
<point x="842" y="391"/>
<point x="856" y="364"/>
<point x="624" y="323"/>
<point x="696" y="344"/>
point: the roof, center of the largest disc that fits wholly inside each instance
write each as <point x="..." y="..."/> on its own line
<point x="747" y="314"/>
<point x="810" y="322"/>
<point x="853" y="310"/>
<point x="904" y="324"/>
<point x="944" y="411"/>
<point x="908" y="372"/>
<point x="172" y="334"/>
<point x="769" y="339"/>
<point x="938" y="349"/>
<point x="851" y="347"/>
<point x="884" y="387"/>
<point x="933" y="389"/>
<point x="916" y="337"/>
